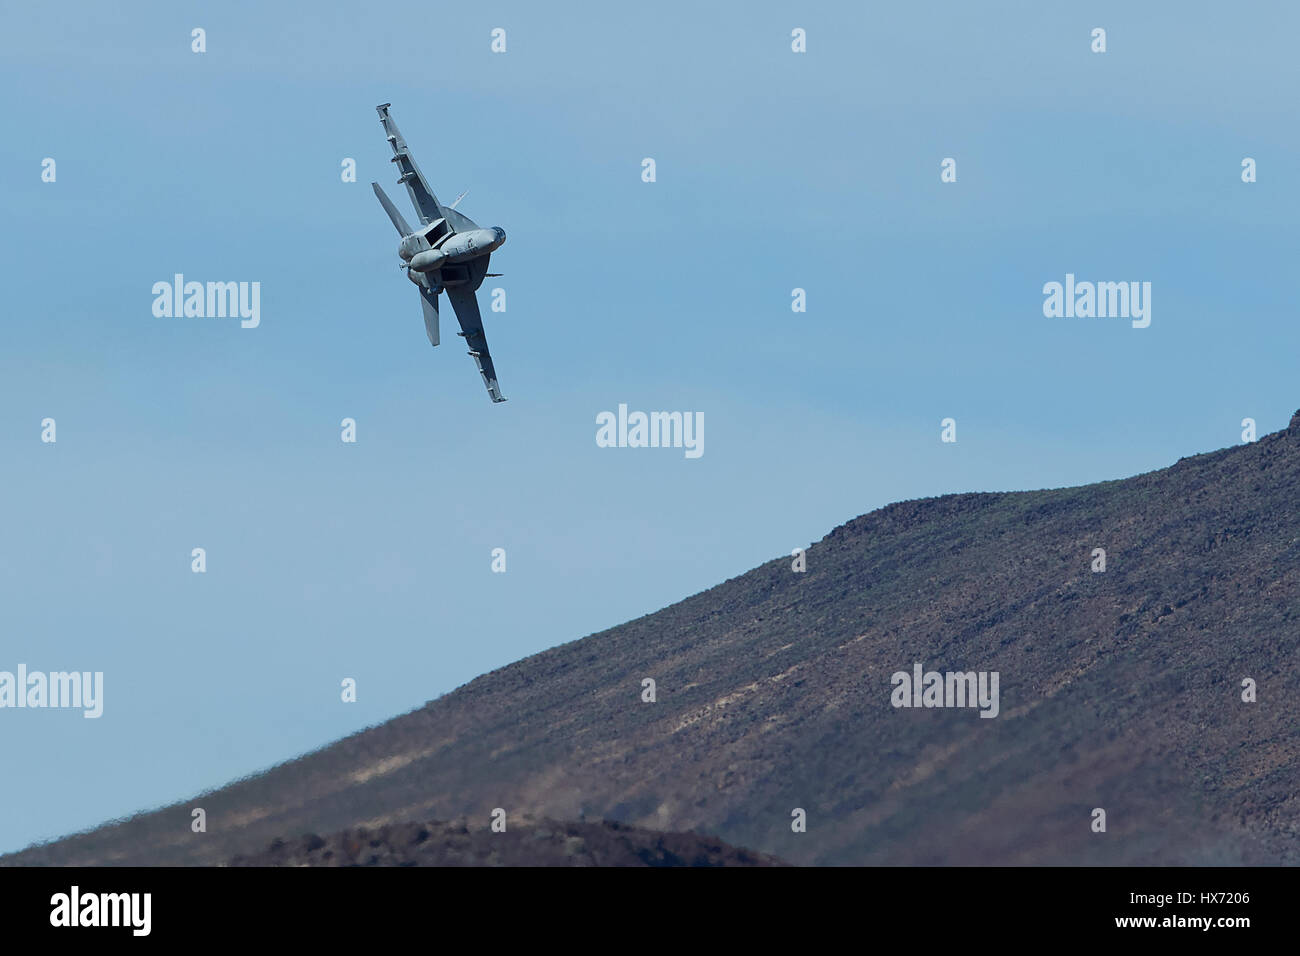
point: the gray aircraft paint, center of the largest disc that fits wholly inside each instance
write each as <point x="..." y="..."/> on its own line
<point x="449" y="253"/>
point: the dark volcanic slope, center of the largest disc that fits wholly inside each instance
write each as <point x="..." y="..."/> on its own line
<point x="528" y="843"/>
<point x="1118" y="690"/>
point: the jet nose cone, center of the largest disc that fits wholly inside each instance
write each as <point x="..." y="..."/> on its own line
<point x="499" y="233"/>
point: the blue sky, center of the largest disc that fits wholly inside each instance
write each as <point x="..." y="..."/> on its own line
<point x="774" y="171"/>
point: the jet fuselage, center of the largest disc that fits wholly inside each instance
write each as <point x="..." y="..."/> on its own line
<point x="460" y="247"/>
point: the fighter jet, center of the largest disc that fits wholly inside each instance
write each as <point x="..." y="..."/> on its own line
<point x="448" y="253"/>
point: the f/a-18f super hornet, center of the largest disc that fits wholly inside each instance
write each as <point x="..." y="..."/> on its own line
<point x="448" y="253"/>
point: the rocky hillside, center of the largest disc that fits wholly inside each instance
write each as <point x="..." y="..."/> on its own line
<point x="527" y="843"/>
<point x="1118" y="690"/>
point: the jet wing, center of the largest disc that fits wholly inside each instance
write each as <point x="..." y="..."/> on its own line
<point x="426" y="203"/>
<point x="465" y="303"/>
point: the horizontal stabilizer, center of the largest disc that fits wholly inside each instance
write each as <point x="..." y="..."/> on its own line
<point x="394" y="216"/>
